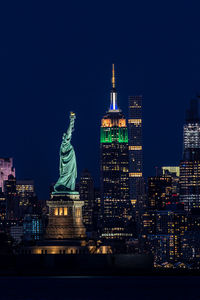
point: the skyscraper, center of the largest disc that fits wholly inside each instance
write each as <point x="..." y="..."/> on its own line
<point x="114" y="170"/>
<point x="86" y="191"/>
<point x="2" y="206"/>
<point x="12" y="199"/>
<point x="6" y="169"/>
<point x="28" y="201"/>
<point x="25" y="189"/>
<point x="190" y="165"/>
<point x="136" y="179"/>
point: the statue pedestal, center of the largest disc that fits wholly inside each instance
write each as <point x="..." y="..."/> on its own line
<point x="65" y="217"/>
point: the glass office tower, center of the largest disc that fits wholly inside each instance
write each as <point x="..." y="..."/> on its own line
<point x="190" y="165"/>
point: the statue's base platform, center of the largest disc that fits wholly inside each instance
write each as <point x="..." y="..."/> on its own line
<point x="73" y="196"/>
<point x="65" y="217"/>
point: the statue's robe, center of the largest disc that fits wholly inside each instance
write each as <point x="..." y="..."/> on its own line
<point x="68" y="169"/>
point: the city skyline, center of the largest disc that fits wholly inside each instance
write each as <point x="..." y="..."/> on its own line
<point x="59" y="66"/>
<point x="97" y="174"/>
<point x="100" y="149"/>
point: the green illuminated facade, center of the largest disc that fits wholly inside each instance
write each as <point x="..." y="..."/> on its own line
<point x="114" y="134"/>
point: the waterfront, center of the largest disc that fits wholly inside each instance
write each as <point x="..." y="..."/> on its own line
<point x="90" y="288"/>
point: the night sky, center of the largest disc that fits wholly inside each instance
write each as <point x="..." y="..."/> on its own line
<point x="57" y="56"/>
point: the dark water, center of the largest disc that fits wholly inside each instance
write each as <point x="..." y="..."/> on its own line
<point x="86" y="288"/>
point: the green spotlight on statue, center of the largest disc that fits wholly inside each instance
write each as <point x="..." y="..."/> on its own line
<point x="68" y="169"/>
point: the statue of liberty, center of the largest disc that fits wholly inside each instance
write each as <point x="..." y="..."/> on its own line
<point x="68" y="169"/>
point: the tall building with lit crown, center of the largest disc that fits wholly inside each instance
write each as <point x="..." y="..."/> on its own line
<point x="114" y="171"/>
<point x="135" y="152"/>
<point x="190" y="165"/>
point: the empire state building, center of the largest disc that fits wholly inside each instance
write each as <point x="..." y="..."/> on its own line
<point x="114" y="160"/>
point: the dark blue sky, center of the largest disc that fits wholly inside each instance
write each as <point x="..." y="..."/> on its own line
<point x="57" y="56"/>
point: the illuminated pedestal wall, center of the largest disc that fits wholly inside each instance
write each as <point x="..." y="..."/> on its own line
<point x="65" y="217"/>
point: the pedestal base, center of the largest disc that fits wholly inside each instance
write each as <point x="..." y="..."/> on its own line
<point x="65" y="217"/>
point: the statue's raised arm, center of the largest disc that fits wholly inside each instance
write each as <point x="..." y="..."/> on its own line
<point x="68" y="170"/>
<point x="68" y="135"/>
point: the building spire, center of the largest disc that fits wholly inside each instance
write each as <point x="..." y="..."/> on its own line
<point x="113" y="93"/>
<point x="113" y="76"/>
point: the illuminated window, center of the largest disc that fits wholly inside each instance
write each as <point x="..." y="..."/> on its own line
<point x="65" y="211"/>
<point x="56" y="211"/>
<point x="135" y="147"/>
<point x="122" y="123"/>
<point x="78" y="212"/>
<point x="106" y="123"/>
<point x="135" y="174"/>
<point x="133" y="202"/>
<point x="135" y="121"/>
<point x="60" y="211"/>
